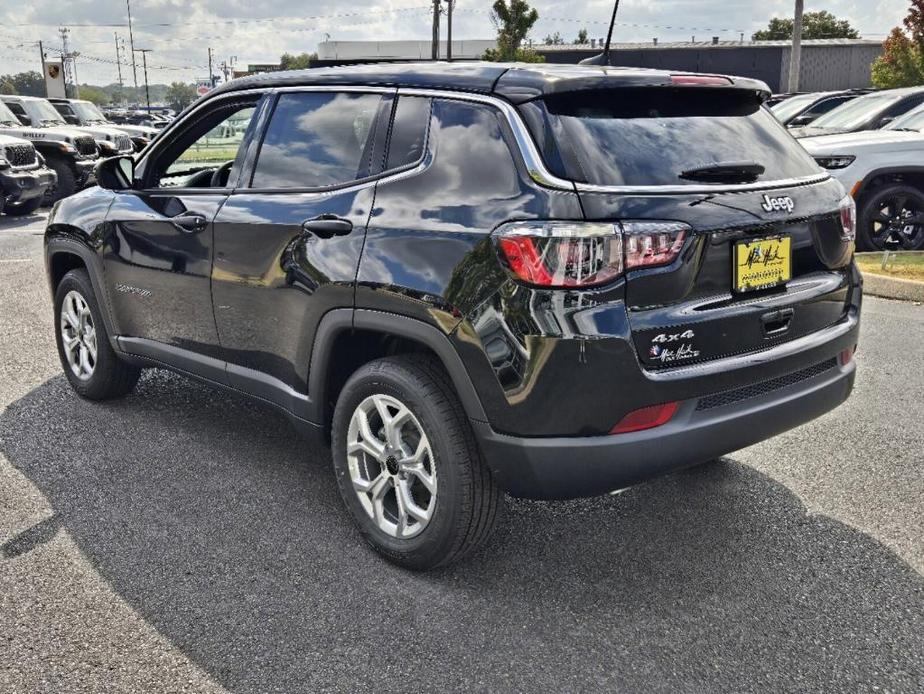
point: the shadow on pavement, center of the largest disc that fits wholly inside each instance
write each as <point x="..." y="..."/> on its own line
<point x="224" y="530"/>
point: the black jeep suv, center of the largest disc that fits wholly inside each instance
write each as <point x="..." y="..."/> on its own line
<point x="556" y="281"/>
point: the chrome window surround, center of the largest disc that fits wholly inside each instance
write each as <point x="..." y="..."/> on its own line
<point x="540" y="174"/>
<point x="525" y="143"/>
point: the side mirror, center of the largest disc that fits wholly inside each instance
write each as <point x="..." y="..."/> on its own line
<point x="73" y="120"/>
<point x="25" y="120"/>
<point x="800" y="121"/>
<point x="885" y="120"/>
<point x="116" y="173"/>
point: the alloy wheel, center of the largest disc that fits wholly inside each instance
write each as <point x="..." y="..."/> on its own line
<point x="78" y="335"/>
<point x="900" y="218"/>
<point x="391" y="466"/>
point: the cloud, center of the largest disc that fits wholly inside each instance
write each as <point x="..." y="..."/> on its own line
<point x="181" y="31"/>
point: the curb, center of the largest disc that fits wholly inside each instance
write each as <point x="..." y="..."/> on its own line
<point x="893" y="287"/>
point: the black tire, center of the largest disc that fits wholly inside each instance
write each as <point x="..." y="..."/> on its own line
<point x="110" y="376"/>
<point x="18" y="209"/>
<point x="467" y="503"/>
<point x="873" y="227"/>
<point x="67" y="181"/>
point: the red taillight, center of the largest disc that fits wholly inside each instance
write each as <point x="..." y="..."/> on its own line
<point x="646" y="418"/>
<point x="652" y="243"/>
<point x="848" y="210"/>
<point x="585" y="254"/>
<point x="701" y="80"/>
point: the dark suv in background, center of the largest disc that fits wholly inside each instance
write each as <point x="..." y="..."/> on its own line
<point x="552" y="280"/>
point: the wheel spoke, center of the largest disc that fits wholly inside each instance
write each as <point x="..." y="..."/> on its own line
<point x="426" y="479"/>
<point x="70" y="341"/>
<point x="371" y="443"/>
<point x="85" y="367"/>
<point x="406" y="502"/>
<point x="370" y="447"/>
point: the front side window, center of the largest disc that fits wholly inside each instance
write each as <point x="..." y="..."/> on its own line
<point x="212" y="141"/>
<point x="317" y="140"/>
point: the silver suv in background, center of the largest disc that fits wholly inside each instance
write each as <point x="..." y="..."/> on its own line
<point x="884" y="171"/>
<point x="87" y="114"/>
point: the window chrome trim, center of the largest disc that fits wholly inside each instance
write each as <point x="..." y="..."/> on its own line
<point x="540" y="174"/>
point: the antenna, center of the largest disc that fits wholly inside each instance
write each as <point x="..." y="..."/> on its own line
<point x="604" y="57"/>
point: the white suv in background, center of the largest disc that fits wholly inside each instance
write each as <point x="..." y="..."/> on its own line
<point x="884" y="172"/>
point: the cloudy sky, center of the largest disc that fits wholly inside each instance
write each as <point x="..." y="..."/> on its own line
<point x="180" y="31"/>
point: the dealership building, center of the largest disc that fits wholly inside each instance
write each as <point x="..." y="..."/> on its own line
<point x="826" y="63"/>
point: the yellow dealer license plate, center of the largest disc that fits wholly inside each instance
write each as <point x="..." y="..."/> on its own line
<point x="762" y="263"/>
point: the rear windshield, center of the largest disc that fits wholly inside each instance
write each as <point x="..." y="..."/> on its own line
<point x="650" y="136"/>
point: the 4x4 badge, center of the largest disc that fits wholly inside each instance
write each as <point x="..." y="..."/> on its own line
<point x="778" y="204"/>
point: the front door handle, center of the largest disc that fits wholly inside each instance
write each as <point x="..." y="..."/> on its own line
<point x="327" y="226"/>
<point x="190" y="222"/>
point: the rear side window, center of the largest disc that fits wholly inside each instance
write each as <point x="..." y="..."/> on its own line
<point x="317" y="140"/>
<point x="650" y="136"/>
<point x="408" y="131"/>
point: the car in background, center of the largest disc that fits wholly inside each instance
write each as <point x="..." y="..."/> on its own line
<point x="87" y="114"/>
<point x="109" y="140"/>
<point x="24" y="178"/>
<point x="884" y="172"/>
<point x="802" y="109"/>
<point x="868" y="112"/>
<point x="70" y="152"/>
<point x="141" y="118"/>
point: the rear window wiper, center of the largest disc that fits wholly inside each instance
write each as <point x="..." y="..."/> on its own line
<point x="725" y="172"/>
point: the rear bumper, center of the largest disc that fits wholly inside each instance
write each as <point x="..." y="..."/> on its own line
<point x="703" y="428"/>
<point x="20" y="186"/>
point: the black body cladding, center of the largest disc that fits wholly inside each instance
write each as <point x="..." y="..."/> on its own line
<point x="273" y="291"/>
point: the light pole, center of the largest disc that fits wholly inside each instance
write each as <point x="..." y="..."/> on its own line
<point x="144" y="59"/>
<point x="795" y="55"/>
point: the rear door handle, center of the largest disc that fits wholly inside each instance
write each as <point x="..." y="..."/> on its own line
<point x="327" y="226"/>
<point x="190" y="222"/>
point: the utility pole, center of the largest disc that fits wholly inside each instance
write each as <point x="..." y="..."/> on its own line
<point x="436" y="30"/>
<point x="211" y="77"/>
<point x="65" y="62"/>
<point x="44" y="71"/>
<point x="450" y="4"/>
<point x="144" y="58"/>
<point x="118" y="60"/>
<point x="795" y="55"/>
<point x="131" y="41"/>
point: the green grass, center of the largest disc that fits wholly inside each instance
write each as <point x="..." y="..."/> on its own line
<point x="906" y="266"/>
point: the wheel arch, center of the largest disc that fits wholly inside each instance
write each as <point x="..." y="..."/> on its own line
<point x="346" y="339"/>
<point x="910" y="175"/>
<point x="66" y="250"/>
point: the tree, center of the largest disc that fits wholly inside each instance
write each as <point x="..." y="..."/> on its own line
<point x="513" y="20"/>
<point x="815" y="25"/>
<point x="302" y="61"/>
<point x="902" y="61"/>
<point x="26" y="83"/>
<point x="97" y="95"/>
<point x="581" y="37"/>
<point x="6" y="87"/>
<point x="553" y="39"/>
<point x="180" y="95"/>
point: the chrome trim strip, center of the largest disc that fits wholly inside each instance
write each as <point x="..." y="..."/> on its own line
<point x="540" y="174"/>
<point x="787" y="349"/>
<point x="698" y="190"/>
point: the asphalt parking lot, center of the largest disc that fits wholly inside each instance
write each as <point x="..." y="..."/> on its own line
<point x="184" y="539"/>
